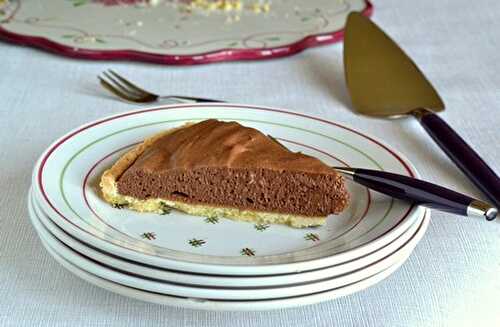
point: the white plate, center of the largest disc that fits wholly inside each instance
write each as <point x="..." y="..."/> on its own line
<point x="67" y="175"/>
<point x="169" y="34"/>
<point x="221" y="305"/>
<point x="220" y="292"/>
<point x="218" y="280"/>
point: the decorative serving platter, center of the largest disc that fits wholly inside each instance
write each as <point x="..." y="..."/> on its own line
<point x="176" y="31"/>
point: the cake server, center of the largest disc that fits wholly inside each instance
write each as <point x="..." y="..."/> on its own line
<point x="384" y="82"/>
<point x="419" y="192"/>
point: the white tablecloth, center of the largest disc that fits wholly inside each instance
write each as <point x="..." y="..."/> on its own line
<point x="453" y="277"/>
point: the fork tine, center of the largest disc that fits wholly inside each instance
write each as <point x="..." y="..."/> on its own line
<point x="130" y="84"/>
<point x="122" y="87"/>
<point x="115" y="91"/>
<point x="140" y="96"/>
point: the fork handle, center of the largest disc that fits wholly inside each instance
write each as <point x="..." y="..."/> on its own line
<point x="193" y="99"/>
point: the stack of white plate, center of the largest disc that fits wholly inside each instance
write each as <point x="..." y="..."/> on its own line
<point x="216" y="263"/>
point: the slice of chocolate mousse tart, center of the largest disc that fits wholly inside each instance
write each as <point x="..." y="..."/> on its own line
<point x="223" y="169"/>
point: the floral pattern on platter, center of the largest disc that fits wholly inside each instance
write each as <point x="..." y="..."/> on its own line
<point x="257" y="6"/>
<point x="196" y="35"/>
<point x="6" y="9"/>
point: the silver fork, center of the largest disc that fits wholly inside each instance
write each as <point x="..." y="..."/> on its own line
<point x="128" y="91"/>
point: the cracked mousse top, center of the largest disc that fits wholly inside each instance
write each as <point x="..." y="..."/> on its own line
<point x="228" y="165"/>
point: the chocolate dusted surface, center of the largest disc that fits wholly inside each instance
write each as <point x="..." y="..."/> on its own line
<point x="226" y="164"/>
<point x="213" y="143"/>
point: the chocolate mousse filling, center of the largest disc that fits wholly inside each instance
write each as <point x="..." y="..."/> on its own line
<point x="224" y="164"/>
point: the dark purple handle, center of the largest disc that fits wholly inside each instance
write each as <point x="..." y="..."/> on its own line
<point x="463" y="156"/>
<point x="414" y="190"/>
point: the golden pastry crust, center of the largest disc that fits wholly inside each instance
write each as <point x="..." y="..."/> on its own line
<point x="110" y="176"/>
<point x="110" y="193"/>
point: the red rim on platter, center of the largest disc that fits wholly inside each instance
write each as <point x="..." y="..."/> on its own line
<point x="249" y="48"/>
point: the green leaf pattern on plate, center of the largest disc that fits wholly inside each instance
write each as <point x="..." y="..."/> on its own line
<point x="261" y="227"/>
<point x="247" y="252"/>
<point x="165" y="209"/>
<point x="212" y="220"/>
<point x="196" y="242"/>
<point x="149" y="236"/>
<point x="120" y="205"/>
<point x="312" y="237"/>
